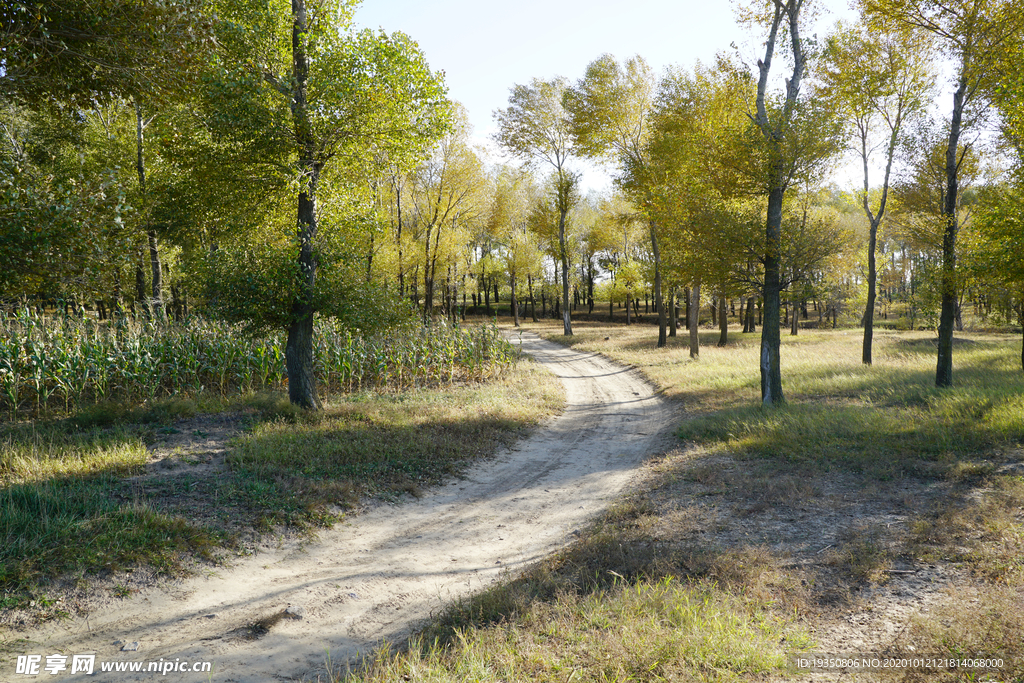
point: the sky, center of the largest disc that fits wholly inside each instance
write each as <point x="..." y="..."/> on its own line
<point x="484" y="48"/>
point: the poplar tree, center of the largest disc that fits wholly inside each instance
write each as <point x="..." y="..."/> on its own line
<point x="975" y="35"/>
<point x="536" y="127"/>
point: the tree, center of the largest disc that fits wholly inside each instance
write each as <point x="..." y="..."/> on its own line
<point x="448" y="193"/>
<point x="74" y="50"/>
<point x="878" y="79"/>
<point x="62" y="215"/>
<point x="536" y="127"/>
<point x="791" y="144"/>
<point x="508" y="223"/>
<point x="310" y="98"/>
<point x="1000" y="232"/>
<point x="611" y="110"/>
<point x="975" y="34"/>
<point x="695" y="176"/>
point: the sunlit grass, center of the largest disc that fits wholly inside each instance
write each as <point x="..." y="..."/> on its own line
<point x="887" y="418"/>
<point x="886" y="421"/>
<point x="65" y="508"/>
<point x="644" y="631"/>
<point x="611" y="607"/>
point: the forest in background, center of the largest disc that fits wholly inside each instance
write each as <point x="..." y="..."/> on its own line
<point x="266" y="164"/>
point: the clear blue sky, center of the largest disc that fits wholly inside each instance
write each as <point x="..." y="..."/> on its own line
<point x="485" y="48"/>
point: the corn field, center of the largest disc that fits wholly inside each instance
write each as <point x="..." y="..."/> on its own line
<point x="57" y="364"/>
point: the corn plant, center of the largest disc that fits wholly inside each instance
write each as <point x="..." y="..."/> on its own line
<point x="51" y="364"/>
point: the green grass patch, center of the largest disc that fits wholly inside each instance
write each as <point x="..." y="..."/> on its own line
<point x="67" y="509"/>
<point x="944" y="448"/>
<point x="645" y="631"/>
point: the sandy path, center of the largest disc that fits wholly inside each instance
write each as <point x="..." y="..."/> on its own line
<point x="378" y="575"/>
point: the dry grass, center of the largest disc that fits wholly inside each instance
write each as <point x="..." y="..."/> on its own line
<point x="946" y="460"/>
<point x="986" y="623"/>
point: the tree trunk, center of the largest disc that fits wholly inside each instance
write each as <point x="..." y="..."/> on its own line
<point x="154" y="250"/>
<point x="723" y="320"/>
<point x="771" y="372"/>
<point x="396" y="184"/>
<point x="659" y="303"/>
<point x="674" y="307"/>
<point x="176" y="304"/>
<point x="299" y="348"/>
<point x="140" y="283"/>
<point x="428" y="274"/>
<point x="590" y="286"/>
<point x="533" y="301"/>
<point x="564" y="253"/>
<point x="944" y="365"/>
<point x="869" y="308"/>
<point x="777" y="133"/>
<point x="157" y="281"/>
<point x="694" y="319"/>
<point x="515" y="303"/>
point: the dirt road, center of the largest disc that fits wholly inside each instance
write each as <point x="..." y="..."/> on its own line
<point x="378" y="575"/>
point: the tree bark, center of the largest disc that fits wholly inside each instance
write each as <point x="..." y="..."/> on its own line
<point x="723" y="320"/>
<point x="155" y="269"/>
<point x="533" y="301"/>
<point x="515" y="303"/>
<point x="673" y="306"/>
<point x="140" y="283"/>
<point x="694" y="320"/>
<point x="776" y="134"/>
<point x="944" y="364"/>
<point x="564" y="253"/>
<point x="771" y="371"/>
<point x="299" y="348"/>
<point x="156" y="303"/>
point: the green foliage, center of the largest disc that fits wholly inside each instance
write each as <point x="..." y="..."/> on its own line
<point x="74" y="50"/>
<point x="1000" y="235"/>
<point x="60" y="215"/>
